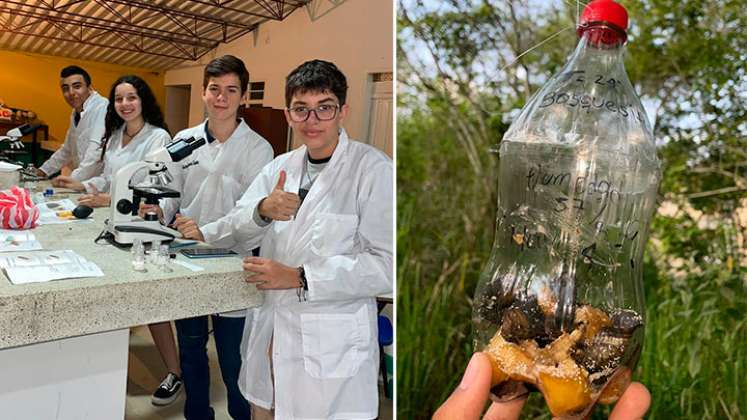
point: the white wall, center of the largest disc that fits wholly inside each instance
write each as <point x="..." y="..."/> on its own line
<point x="356" y="35"/>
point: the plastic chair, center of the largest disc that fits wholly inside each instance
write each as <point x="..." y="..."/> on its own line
<point x="386" y="338"/>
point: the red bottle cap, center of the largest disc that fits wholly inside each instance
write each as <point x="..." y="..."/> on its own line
<point x="606" y="12"/>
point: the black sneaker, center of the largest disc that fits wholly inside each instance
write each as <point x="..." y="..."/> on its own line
<point x="167" y="392"/>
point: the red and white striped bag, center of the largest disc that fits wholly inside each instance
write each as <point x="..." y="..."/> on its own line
<point x="17" y="211"/>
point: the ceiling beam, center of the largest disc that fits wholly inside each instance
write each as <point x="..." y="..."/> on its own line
<point x="205" y="17"/>
<point x="108" y="24"/>
<point x="145" y="26"/>
<point x="79" y="36"/>
<point x="108" y="46"/>
<point x="220" y="6"/>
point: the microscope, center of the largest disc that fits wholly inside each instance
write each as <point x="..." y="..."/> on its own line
<point x="124" y="225"/>
<point x="13" y="137"/>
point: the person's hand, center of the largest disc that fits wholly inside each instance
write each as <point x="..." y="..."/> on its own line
<point x="150" y="208"/>
<point x="39" y="172"/>
<point x="95" y="198"/>
<point x="280" y="205"/>
<point x="469" y="399"/>
<point x="63" y="181"/>
<point x="188" y="228"/>
<point x="269" y="274"/>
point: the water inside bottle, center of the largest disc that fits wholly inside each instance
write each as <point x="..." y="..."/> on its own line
<point x="557" y="301"/>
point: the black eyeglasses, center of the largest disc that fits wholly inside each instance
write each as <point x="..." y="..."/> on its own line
<point x="324" y="112"/>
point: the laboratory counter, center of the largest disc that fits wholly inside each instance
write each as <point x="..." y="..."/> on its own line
<point x="64" y="343"/>
<point x="37" y="312"/>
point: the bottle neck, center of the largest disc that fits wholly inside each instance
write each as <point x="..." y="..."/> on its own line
<point x="600" y="49"/>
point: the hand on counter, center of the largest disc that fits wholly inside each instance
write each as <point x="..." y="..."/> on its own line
<point x="188" y="228"/>
<point x="270" y="274"/>
<point x="280" y="205"/>
<point x="63" y="181"/>
<point x="95" y="198"/>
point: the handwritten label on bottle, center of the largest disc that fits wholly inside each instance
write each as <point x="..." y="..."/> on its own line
<point x="581" y="190"/>
<point x="575" y="97"/>
<point x="609" y="241"/>
<point x="586" y="204"/>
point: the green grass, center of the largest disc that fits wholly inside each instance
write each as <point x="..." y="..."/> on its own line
<point x="694" y="352"/>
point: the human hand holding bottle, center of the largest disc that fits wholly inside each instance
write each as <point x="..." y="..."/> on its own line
<point x="469" y="398"/>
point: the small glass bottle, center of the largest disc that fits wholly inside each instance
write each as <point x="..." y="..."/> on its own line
<point x="153" y="253"/>
<point x="164" y="258"/>
<point x="31" y="183"/>
<point x="138" y="255"/>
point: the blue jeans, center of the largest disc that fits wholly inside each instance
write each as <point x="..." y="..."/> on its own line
<point x="192" y="335"/>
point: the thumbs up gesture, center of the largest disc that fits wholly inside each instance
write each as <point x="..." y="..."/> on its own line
<point x="280" y="205"/>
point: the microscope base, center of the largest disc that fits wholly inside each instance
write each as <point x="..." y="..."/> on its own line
<point x="124" y="234"/>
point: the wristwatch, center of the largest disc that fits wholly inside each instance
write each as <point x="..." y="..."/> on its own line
<point x="302" y="276"/>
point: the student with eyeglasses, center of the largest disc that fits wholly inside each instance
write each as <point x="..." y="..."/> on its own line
<point x="323" y="215"/>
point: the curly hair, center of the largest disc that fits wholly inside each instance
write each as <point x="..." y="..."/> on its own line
<point x="316" y="76"/>
<point x="151" y="111"/>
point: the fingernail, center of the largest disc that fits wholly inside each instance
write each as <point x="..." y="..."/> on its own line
<point x="470" y="374"/>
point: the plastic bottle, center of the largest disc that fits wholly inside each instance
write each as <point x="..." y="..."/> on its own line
<point x="559" y="305"/>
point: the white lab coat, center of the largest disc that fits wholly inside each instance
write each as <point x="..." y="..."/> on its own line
<point x="81" y="150"/>
<point x="325" y="350"/>
<point x="149" y="139"/>
<point x="211" y="187"/>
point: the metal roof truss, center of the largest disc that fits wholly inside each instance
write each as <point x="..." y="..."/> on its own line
<point x="181" y="29"/>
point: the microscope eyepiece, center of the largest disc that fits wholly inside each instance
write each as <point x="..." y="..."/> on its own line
<point x="181" y="148"/>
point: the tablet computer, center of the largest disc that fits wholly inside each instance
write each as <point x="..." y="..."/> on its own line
<point x="207" y="252"/>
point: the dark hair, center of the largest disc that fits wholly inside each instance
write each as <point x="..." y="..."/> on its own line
<point x="226" y="64"/>
<point x="316" y="76"/>
<point x="71" y="70"/>
<point x="151" y="111"/>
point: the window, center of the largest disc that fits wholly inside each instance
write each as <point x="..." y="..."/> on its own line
<point x="256" y="94"/>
